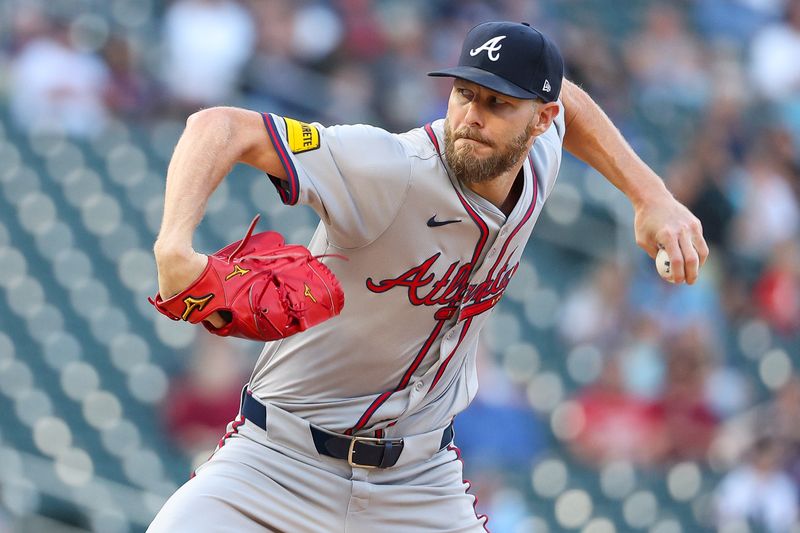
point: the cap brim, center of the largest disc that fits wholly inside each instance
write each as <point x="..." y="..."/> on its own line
<point x="486" y="79"/>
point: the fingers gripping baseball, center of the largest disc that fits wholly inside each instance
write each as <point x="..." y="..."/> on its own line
<point x="668" y="224"/>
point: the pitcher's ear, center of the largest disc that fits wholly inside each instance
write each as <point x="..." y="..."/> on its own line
<point x="546" y="113"/>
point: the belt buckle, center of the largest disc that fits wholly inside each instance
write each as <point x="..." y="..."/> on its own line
<point x="352" y="448"/>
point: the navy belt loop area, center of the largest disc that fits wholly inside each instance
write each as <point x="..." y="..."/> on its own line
<point x="360" y="452"/>
<point x="387" y="454"/>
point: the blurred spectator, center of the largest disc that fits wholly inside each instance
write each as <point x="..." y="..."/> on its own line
<point x="783" y="138"/>
<point x="401" y="70"/>
<point x="729" y="390"/>
<point x="701" y="179"/>
<point x="736" y="299"/>
<point x="207" y="43"/>
<point x="642" y="359"/>
<point x="275" y="24"/>
<point x="202" y="401"/>
<point x="130" y="93"/>
<point x="687" y="421"/>
<point x="730" y="97"/>
<point x="666" y="60"/>
<point x="704" y="192"/>
<point x="735" y="21"/>
<point x="275" y="78"/>
<point x="774" y="68"/>
<point x="779" y="418"/>
<point x="499" y="430"/>
<point x="28" y="22"/>
<point x="595" y="310"/>
<point x="352" y="92"/>
<point x="627" y="415"/>
<point x="775" y="419"/>
<point x="675" y="308"/>
<point x="616" y="424"/>
<point x="758" y="492"/>
<point x="504" y="505"/>
<point x="363" y="39"/>
<point x="316" y="32"/>
<point x="54" y="86"/>
<point x="777" y="292"/>
<point x="595" y="66"/>
<point x="499" y="435"/>
<point x="769" y="212"/>
<point x="535" y="12"/>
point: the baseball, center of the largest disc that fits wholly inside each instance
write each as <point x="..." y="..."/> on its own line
<point x="662" y="265"/>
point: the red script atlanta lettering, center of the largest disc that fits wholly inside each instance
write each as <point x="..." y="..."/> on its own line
<point x="451" y="288"/>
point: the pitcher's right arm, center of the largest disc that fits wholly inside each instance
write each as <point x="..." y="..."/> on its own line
<point x="213" y="141"/>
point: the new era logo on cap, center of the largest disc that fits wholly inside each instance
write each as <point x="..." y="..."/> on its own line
<point x="510" y="58"/>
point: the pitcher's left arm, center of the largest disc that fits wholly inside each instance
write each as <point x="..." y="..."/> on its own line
<point x="660" y="220"/>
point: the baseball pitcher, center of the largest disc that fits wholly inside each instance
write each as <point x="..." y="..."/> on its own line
<point x="347" y="421"/>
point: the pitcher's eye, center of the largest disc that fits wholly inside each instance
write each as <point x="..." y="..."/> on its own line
<point x="465" y="93"/>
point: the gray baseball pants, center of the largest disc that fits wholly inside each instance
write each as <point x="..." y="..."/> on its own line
<point x="275" y="480"/>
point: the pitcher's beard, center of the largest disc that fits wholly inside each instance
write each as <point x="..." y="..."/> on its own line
<point x="470" y="168"/>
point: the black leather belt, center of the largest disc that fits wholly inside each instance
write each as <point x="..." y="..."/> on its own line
<point x="362" y="452"/>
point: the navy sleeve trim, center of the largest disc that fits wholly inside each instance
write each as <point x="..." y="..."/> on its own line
<point x="289" y="190"/>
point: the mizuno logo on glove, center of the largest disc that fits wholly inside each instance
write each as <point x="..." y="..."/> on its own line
<point x="194" y="304"/>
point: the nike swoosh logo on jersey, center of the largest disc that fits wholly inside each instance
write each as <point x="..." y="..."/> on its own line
<point x="432" y="222"/>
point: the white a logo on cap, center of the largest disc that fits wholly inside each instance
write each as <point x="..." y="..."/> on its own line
<point x="546" y="86"/>
<point x="492" y="47"/>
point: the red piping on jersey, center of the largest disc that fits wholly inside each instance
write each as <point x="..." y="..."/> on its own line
<point x="432" y="136"/>
<point x="468" y="312"/>
<point x="403" y="382"/>
<point x="234" y="430"/>
<point x="528" y="213"/>
<point x="482" y="226"/>
<point x="484" y="230"/>
<point x="483" y="517"/>
<point x="444" y="364"/>
<point x="482" y="306"/>
<point x="291" y="196"/>
<point x="237" y="422"/>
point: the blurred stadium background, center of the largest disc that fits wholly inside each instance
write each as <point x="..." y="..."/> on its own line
<point x="610" y="401"/>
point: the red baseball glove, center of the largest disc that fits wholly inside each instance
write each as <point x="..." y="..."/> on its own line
<point x="265" y="289"/>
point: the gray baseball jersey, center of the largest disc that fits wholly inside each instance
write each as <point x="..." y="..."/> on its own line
<point x="426" y="261"/>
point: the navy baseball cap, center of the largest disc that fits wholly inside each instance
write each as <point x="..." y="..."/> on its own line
<point x="510" y="58"/>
